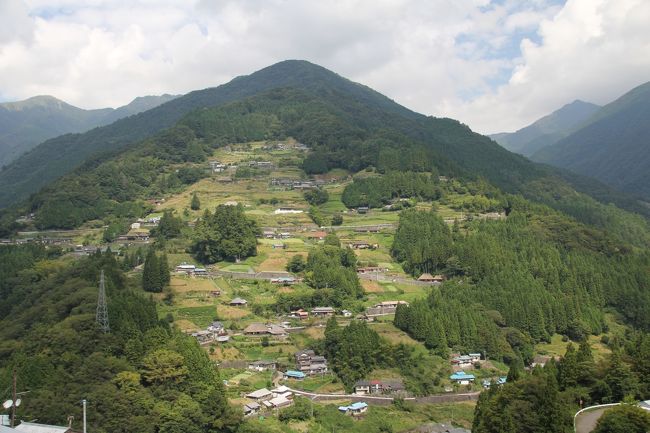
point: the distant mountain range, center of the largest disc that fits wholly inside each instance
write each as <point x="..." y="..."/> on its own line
<point x="547" y="130"/>
<point x="613" y="146"/>
<point x="610" y="143"/>
<point x="25" y="124"/>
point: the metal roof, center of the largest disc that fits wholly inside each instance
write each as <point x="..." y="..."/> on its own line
<point x="259" y="393"/>
<point x="30" y="427"/>
<point x="461" y="375"/>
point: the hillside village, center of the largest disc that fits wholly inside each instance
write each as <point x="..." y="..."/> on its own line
<point x="270" y="353"/>
<point x="225" y="305"/>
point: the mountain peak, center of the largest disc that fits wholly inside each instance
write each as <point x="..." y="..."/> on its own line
<point x="547" y="130"/>
<point x="46" y="101"/>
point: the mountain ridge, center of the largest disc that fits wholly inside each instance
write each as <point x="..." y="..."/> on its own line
<point x="613" y="147"/>
<point x="60" y="155"/>
<point x="548" y="129"/>
<point x="24" y="124"/>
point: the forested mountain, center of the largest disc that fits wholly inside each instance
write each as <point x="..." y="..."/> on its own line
<point x="347" y="125"/>
<point x="25" y="124"/>
<point x="526" y="259"/>
<point x="613" y="147"/>
<point x="60" y="155"/>
<point x="141" y="377"/>
<point x="547" y="130"/>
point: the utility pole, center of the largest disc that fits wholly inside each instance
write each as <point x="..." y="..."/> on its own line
<point x="102" y="308"/>
<point x="13" y="399"/>
<point x="84" y="400"/>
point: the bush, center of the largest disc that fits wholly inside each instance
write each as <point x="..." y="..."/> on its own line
<point x="300" y="411"/>
<point x="316" y="197"/>
<point x="296" y="264"/>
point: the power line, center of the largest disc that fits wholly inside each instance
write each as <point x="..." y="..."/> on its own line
<point x="102" y="308"/>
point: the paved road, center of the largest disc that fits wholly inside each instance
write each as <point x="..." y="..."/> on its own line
<point x="586" y="421"/>
<point x="377" y="400"/>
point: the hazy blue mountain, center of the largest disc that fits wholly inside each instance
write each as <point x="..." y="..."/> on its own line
<point x="614" y="146"/>
<point x="25" y="124"/>
<point x="547" y="130"/>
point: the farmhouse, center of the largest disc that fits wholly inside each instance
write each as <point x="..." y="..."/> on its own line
<point x="498" y="381"/>
<point x="262" y="365"/>
<point x="323" y="311"/>
<point x="354" y="409"/>
<point x="185" y="268"/>
<point x="362" y="245"/>
<point x="316" y="235"/>
<point x="383" y="308"/>
<point x="286" y="281"/>
<point x="363" y="209"/>
<point x="293" y="374"/>
<point x="299" y="314"/>
<point x="462" y="378"/>
<point x="282" y="391"/>
<point x="260" y="395"/>
<point x="391" y="304"/>
<point x="365" y="387"/>
<point x="251" y="408"/>
<point x="370" y="269"/>
<point x="277" y="402"/>
<point x="309" y="363"/>
<point x="200" y="272"/>
<point x="238" y="302"/>
<point x="261" y="164"/>
<point x="203" y="336"/>
<point x="263" y="329"/>
<point x="216" y="327"/>
<point x="217" y="167"/>
<point x="428" y="278"/>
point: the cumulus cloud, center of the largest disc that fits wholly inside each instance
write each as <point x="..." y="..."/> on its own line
<point x="493" y="65"/>
<point x="594" y="50"/>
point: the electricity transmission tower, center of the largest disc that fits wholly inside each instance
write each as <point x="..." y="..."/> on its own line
<point x="102" y="309"/>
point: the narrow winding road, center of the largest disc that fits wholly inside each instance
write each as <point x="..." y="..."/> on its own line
<point x="586" y="421"/>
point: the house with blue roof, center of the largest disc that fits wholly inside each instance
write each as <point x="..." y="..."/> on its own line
<point x="293" y="374"/>
<point x="462" y="378"/>
<point x="499" y="381"/>
<point x="355" y="408"/>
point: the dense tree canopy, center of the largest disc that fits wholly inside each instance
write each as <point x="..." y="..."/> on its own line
<point x="156" y="379"/>
<point x="226" y="234"/>
<point x="379" y="191"/>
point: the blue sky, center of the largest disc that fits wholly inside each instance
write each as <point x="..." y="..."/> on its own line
<point x="494" y="65"/>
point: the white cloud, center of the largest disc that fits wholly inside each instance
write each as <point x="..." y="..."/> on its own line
<point x="594" y="50"/>
<point x="464" y="59"/>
